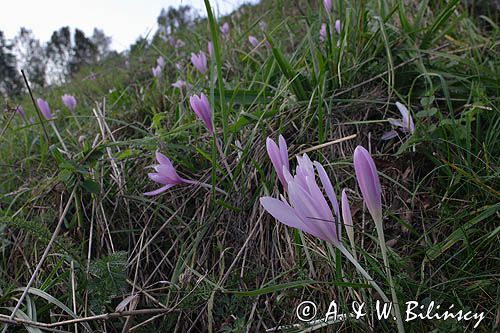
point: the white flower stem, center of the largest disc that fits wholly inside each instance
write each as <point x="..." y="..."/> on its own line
<point x="363" y="272"/>
<point x="75" y="117"/>
<point x="207" y="186"/>
<point x="58" y="136"/>
<point x="383" y="247"/>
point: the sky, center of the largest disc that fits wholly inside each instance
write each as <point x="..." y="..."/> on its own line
<point x="123" y="20"/>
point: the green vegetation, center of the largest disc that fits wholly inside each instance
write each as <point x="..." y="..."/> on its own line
<point x="199" y="260"/>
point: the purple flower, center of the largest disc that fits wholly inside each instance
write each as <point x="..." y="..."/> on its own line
<point x="307" y="209"/>
<point x="267" y="44"/>
<point x="69" y="101"/>
<point x="165" y="174"/>
<point x="389" y="135"/>
<point x="181" y="84"/>
<point x="200" y="62"/>
<point x="201" y="108"/>
<point x="254" y="41"/>
<point x="21" y="112"/>
<point x="279" y="158"/>
<point x="225" y="29"/>
<point x="405" y="124"/>
<point x="369" y="183"/>
<point x="328" y="5"/>
<point x="338" y="26"/>
<point x="263" y="25"/>
<point x="210" y="48"/>
<point x="347" y="217"/>
<point x="322" y="32"/>
<point x="44" y="108"/>
<point x="156" y="71"/>
<point x="160" y="62"/>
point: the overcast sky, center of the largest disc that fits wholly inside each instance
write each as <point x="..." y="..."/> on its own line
<point x="123" y="20"/>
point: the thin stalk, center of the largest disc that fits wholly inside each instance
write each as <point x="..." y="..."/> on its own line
<point x="205" y="185"/>
<point x="75" y="117"/>
<point x="214" y="162"/>
<point x="58" y="136"/>
<point x="39" y="113"/>
<point x="214" y="29"/>
<point x="383" y="247"/>
<point x="363" y="272"/>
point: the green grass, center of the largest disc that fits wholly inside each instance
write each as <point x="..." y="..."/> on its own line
<point x="209" y="262"/>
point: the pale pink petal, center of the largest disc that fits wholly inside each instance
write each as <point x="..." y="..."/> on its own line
<point x="160" y="190"/>
<point x="328" y="187"/>
<point x="162" y="159"/>
<point x="285" y="214"/>
<point x="389" y="135"/>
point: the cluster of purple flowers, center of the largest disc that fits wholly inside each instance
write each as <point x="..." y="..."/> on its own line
<point x="303" y="205"/>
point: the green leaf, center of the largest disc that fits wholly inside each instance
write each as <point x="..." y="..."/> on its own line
<point x="90" y="186"/>
<point x="249" y="118"/>
<point x="51" y="299"/>
<point x="426" y="113"/>
<point x="460" y="234"/>
<point x="244" y="97"/>
<point x="294" y="284"/>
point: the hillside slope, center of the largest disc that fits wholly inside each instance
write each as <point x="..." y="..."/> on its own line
<point x="198" y="259"/>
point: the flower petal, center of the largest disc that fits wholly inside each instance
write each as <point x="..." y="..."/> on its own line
<point x="327" y="185"/>
<point x="389" y="135"/>
<point x="160" y="190"/>
<point x="284" y="152"/>
<point x="368" y="181"/>
<point x="347" y="217"/>
<point x="285" y="214"/>
<point x="162" y="159"/>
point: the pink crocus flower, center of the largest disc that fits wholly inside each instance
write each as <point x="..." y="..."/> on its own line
<point x="156" y="71"/>
<point x="369" y="183"/>
<point x="405" y="124"/>
<point x="322" y="32"/>
<point x="181" y="84"/>
<point x="160" y="62"/>
<point x="165" y="174"/>
<point x="279" y="158"/>
<point x="201" y="107"/>
<point x="338" y="26"/>
<point x="210" y="48"/>
<point x="224" y="29"/>
<point x="267" y="44"/>
<point x="328" y="5"/>
<point x="69" y="101"/>
<point x="306" y="208"/>
<point x="21" y="112"/>
<point x="253" y="41"/>
<point x="200" y="62"/>
<point x="44" y="108"/>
